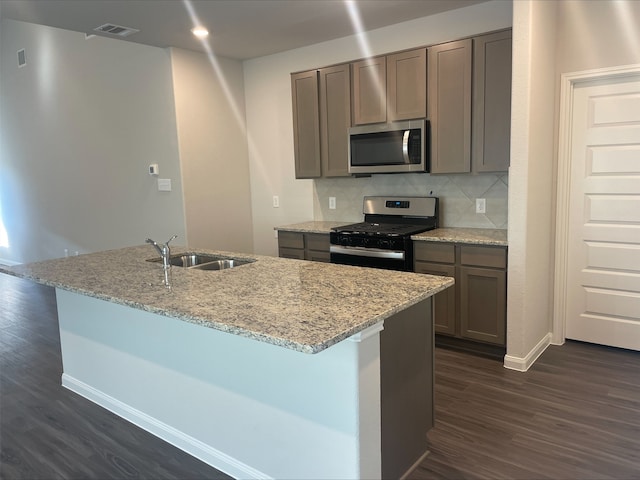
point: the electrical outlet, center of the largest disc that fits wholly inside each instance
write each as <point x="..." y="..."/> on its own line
<point x="481" y="205"/>
<point x="332" y="203"/>
<point x="276" y="201"/>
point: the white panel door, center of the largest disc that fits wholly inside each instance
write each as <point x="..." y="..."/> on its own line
<point x="603" y="278"/>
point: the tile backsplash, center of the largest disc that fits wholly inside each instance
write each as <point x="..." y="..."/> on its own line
<point x="457" y="195"/>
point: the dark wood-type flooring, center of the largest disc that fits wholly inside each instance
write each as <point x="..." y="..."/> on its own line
<point x="574" y="415"/>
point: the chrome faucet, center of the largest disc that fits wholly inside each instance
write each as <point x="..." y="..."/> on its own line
<point x="165" y="254"/>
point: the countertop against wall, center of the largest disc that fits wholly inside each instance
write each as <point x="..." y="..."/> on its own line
<point x="473" y="236"/>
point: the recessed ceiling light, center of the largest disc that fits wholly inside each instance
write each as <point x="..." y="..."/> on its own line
<point x="200" y="32"/>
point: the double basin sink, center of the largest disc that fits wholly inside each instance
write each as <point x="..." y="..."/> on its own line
<point x="201" y="261"/>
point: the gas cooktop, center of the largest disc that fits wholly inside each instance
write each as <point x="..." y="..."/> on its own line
<point x="382" y="229"/>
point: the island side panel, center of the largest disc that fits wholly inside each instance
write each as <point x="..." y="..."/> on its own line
<point x="407" y="364"/>
<point x="248" y="408"/>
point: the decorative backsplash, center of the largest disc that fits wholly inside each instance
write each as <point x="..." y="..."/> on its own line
<point x="457" y="195"/>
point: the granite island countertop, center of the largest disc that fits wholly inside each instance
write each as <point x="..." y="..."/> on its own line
<point x="296" y="304"/>
<point x="473" y="236"/>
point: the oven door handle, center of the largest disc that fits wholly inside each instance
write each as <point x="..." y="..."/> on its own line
<point x="367" y="252"/>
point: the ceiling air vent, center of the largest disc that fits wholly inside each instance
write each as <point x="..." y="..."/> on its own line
<point x="116" y="30"/>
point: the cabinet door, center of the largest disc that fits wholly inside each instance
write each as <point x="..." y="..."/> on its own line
<point x="306" y="131"/>
<point x="368" y="80"/>
<point x="335" y="120"/>
<point x="407" y="85"/>
<point x="449" y="89"/>
<point x="444" y="303"/>
<point x="316" y="247"/>
<point x="492" y="102"/>
<point x="483" y="304"/>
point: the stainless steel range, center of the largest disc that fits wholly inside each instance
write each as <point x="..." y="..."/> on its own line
<point x="383" y="240"/>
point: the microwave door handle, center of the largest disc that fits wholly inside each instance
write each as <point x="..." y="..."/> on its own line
<point x="405" y="146"/>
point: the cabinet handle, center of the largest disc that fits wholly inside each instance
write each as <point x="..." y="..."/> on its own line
<point x="405" y="146"/>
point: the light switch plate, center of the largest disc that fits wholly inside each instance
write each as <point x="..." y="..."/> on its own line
<point x="481" y="205"/>
<point x="332" y="203"/>
<point x="164" y="184"/>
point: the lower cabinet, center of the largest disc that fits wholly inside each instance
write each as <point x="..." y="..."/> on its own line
<point x="475" y="309"/>
<point x="304" y="246"/>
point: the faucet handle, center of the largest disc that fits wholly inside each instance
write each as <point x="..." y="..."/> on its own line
<point x="172" y="238"/>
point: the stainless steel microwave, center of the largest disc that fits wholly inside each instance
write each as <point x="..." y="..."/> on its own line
<point x="398" y="147"/>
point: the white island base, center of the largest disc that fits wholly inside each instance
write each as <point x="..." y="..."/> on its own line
<point x="248" y="408"/>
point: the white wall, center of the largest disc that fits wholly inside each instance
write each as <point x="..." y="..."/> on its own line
<point x="597" y="34"/>
<point x="531" y="175"/>
<point x="269" y="117"/>
<point x="81" y="122"/>
<point x="550" y="38"/>
<point x="209" y="100"/>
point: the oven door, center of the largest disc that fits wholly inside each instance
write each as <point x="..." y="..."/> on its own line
<point x="370" y="257"/>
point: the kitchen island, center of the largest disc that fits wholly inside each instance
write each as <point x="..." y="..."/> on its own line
<point x="273" y="369"/>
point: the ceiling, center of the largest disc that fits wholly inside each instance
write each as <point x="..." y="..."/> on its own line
<point x="240" y="29"/>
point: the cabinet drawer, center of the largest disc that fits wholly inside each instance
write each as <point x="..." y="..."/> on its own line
<point x="290" y="240"/>
<point x="317" y="256"/>
<point x="494" y="257"/>
<point x="317" y="241"/>
<point x="297" y="253"/>
<point x="434" y="252"/>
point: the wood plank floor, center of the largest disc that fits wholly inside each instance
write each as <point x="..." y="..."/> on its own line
<point x="574" y="415"/>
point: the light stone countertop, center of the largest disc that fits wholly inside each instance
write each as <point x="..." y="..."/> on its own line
<point x="296" y="304"/>
<point x="311" y="227"/>
<point x="474" y="236"/>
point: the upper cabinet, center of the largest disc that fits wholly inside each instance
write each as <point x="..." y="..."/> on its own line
<point x="491" y="128"/>
<point x="390" y="88"/>
<point x="450" y="106"/>
<point x="369" y="80"/>
<point x="470" y="104"/>
<point x="321" y="118"/>
<point x="407" y="85"/>
<point x="463" y="88"/>
<point x="335" y="120"/>
<point x="306" y="124"/>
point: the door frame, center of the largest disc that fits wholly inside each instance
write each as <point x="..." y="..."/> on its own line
<point x="568" y="83"/>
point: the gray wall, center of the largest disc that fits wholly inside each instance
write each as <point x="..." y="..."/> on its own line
<point x="209" y="99"/>
<point x="81" y="122"/>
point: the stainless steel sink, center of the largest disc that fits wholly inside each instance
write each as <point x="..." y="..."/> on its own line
<point x="221" y="264"/>
<point x="203" y="261"/>
<point x="191" y="259"/>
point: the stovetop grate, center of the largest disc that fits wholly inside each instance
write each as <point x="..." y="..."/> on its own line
<point x="382" y="229"/>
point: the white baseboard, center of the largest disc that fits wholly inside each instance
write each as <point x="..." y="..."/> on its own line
<point x="523" y="364"/>
<point x="192" y="446"/>
<point x="8" y="263"/>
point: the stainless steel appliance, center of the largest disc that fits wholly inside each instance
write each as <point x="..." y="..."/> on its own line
<point x="398" y="147"/>
<point x="383" y="240"/>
